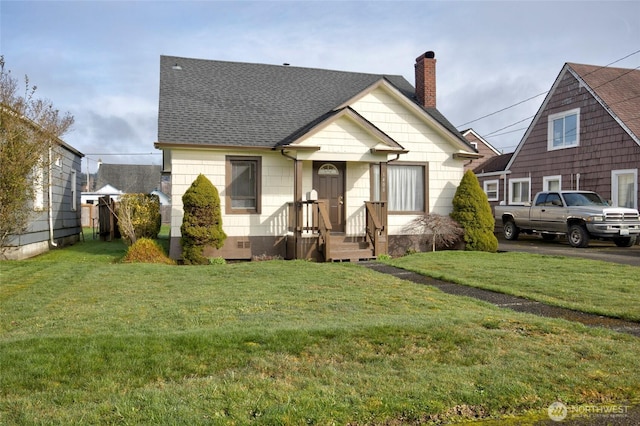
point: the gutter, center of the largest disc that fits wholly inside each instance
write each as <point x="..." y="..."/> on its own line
<point x="50" y="185"/>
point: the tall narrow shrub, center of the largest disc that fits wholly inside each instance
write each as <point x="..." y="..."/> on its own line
<point x="472" y="211"/>
<point x="202" y="221"/>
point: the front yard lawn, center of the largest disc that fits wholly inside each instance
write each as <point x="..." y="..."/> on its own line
<point x="584" y="285"/>
<point x="84" y="340"/>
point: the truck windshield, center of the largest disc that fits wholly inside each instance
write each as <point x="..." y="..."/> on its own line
<point x="584" y="199"/>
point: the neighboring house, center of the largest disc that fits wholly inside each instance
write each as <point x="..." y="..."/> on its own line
<point x="309" y="163"/>
<point x="484" y="148"/>
<point x="586" y="135"/>
<point x="492" y="175"/>
<point x="92" y="197"/>
<point x="115" y="180"/>
<point x="56" y="219"/>
<point x="130" y="178"/>
<point x="90" y="202"/>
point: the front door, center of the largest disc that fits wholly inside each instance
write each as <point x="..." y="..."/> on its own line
<point x="328" y="180"/>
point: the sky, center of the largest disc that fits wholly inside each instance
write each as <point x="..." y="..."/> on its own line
<point x="99" y="60"/>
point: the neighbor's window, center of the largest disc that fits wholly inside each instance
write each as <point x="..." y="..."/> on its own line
<point x="243" y="189"/>
<point x="520" y="192"/>
<point x="74" y="182"/>
<point x="38" y="188"/>
<point x="552" y="183"/>
<point x="491" y="188"/>
<point x="624" y="187"/>
<point x="406" y="190"/>
<point x="563" y="130"/>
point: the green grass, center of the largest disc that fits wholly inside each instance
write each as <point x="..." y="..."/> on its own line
<point x="585" y="285"/>
<point x="84" y="339"/>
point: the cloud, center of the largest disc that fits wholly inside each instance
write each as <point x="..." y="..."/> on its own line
<point x="116" y="124"/>
<point x="100" y="60"/>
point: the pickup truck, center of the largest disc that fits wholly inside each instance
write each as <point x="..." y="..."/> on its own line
<point x="580" y="215"/>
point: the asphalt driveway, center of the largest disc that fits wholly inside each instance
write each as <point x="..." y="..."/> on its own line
<point x="597" y="250"/>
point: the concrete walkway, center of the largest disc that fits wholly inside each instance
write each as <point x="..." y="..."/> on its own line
<point x="514" y="303"/>
<point x="631" y="414"/>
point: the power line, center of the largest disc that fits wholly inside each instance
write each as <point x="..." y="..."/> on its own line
<point x="506" y="127"/>
<point x="504" y="109"/>
<point x="126" y="153"/>
<point x="545" y="92"/>
<point x="593" y="88"/>
<point x="510" y="131"/>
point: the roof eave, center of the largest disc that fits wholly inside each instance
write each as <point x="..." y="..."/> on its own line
<point x="175" y="145"/>
<point x="297" y="148"/>
<point x="467" y="155"/>
<point x="388" y="151"/>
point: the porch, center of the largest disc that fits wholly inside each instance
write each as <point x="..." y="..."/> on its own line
<point x="311" y="235"/>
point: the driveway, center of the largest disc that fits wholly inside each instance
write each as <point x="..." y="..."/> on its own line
<point x="597" y="250"/>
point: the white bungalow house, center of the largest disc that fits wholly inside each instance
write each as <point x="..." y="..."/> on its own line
<point x="309" y="163"/>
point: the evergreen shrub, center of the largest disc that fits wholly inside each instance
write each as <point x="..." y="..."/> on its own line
<point x="472" y="211"/>
<point x="202" y="221"/>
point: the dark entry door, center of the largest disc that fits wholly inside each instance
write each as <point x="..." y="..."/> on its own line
<point x="328" y="180"/>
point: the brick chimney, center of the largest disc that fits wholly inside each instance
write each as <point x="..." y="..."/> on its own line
<point x="426" y="79"/>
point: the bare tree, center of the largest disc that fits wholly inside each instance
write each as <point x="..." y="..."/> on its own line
<point x="440" y="231"/>
<point x="29" y="129"/>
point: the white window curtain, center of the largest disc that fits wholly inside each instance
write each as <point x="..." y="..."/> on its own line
<point x="519" y="191"/>
<point x="626" y="186"/>
<point x="406" y="188"/>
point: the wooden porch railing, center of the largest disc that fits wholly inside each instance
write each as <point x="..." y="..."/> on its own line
<point x="311" y="218"/>
<point x="324" y="230"/>
<point x="376" y="226"/>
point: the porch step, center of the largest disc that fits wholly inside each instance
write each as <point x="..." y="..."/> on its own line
<point x="349" y="249"/>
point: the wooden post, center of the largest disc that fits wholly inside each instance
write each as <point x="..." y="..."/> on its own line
<point x="383" y="182"/>
<point x="383" y="211"/>
<point x="297" y="198"/>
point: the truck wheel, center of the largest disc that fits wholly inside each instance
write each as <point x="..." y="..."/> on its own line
<point x="624" y="241"/>
<point x="511" y="231"/>
<point x="578" y="236"/>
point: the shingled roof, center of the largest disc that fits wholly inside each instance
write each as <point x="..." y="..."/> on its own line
<point x="618" y="88"/>
<point x="206" y="102"/>
<point x="129" y="178"/>
<point x="494" y="164"/>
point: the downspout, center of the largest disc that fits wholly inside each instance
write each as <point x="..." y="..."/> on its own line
<point x="395" y="159"/>
<point x="295" y="225"/>
<point x="50" y="185"/>
<point x="287" y="155"/>
<point x="504" y="188"/>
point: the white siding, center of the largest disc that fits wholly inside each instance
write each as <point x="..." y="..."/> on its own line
<point x="425" y="144"/>
<point x="277" y="190"/>
<point x="342" y="140"/>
